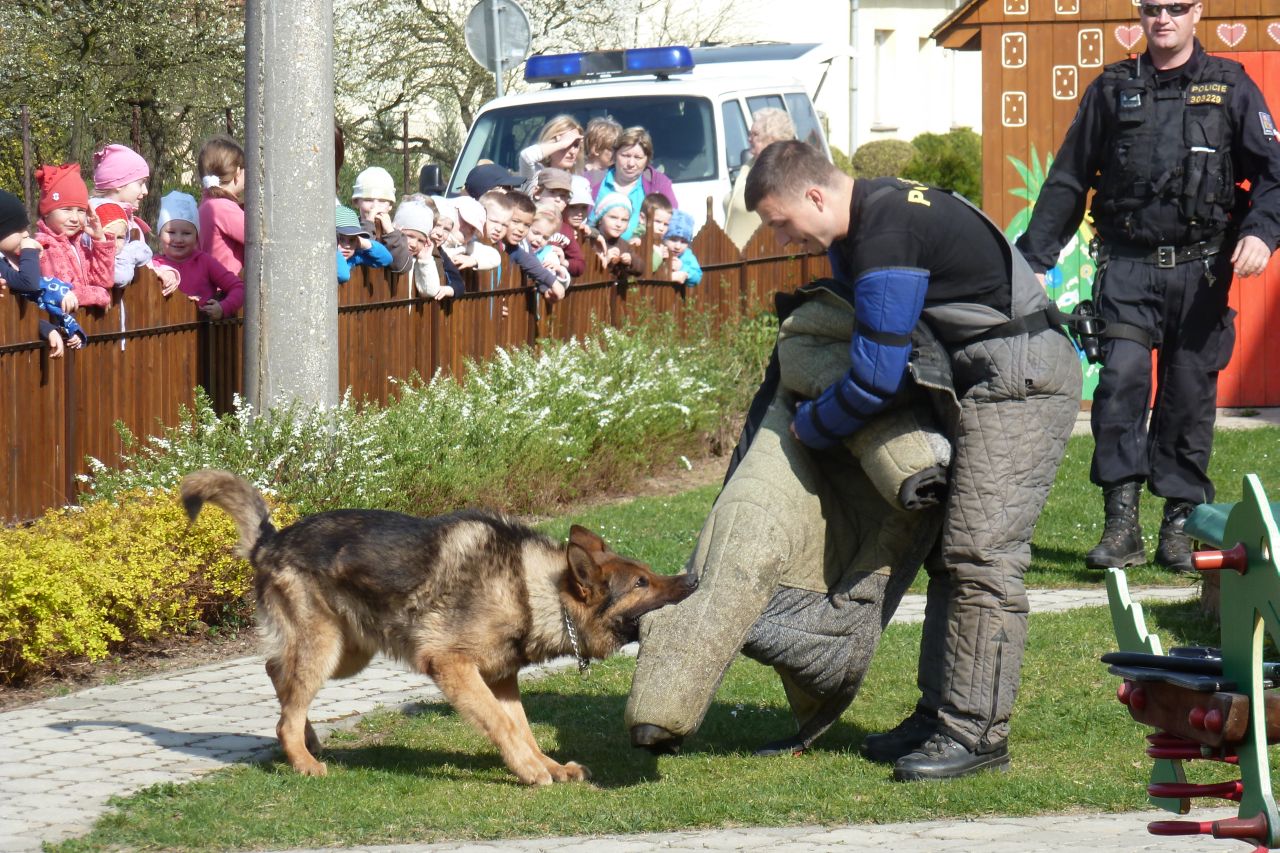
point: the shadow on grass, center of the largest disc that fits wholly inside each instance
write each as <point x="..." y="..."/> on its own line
<point x="1065" y="564"/>
<point x="587" y="729"/>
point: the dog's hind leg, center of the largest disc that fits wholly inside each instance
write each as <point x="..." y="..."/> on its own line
<point x="298" y="674"/>
<point x="459" y="679"/>
<point x="507" y="692"/>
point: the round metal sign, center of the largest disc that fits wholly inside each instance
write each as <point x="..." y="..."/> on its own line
<point x="498" y="34"/>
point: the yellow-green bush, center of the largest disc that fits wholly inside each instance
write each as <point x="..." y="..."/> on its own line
<point x="81" y="582"/>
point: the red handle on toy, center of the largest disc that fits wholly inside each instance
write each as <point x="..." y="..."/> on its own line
<point x="1188" y="753"/>
<point x="1236" y="558"/>
<point x="1182" y="790"/>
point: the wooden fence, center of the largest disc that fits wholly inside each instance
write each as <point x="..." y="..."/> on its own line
<point x="147" y="353"/>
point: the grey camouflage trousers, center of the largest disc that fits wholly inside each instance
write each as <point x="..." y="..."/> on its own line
<point x="1019" y="398"/>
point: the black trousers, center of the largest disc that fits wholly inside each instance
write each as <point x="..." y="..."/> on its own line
<point x="1191" y="326"/>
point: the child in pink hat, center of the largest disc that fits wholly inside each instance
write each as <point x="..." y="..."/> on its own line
<point x="119" y="185"/>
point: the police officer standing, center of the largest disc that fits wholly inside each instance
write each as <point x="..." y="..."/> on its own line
<point x="1163" y="139"/>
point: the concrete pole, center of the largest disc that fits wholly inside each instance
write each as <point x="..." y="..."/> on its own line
<point x="291" y="290"/>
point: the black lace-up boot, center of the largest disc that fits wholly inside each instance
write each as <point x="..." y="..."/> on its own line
<point x="1174" y="551"/>
<point x="1121" y="543"/>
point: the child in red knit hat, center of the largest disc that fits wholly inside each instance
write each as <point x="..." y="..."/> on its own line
<point x="76" y="250"/>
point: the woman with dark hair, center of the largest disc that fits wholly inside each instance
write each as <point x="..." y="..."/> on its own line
<point x="633" y="175"/>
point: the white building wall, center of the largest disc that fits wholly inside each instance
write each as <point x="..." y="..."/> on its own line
<point x="903" y="83"/>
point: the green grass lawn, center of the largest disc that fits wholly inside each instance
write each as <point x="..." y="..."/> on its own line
<point x="428" y="776"/>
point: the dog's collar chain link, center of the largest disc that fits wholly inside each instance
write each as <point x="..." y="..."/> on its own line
<point x="583" y="663"/>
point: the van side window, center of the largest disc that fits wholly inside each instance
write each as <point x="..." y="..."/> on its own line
<point x="806" y="122"/>
<point x="760" y="102"/>
<point x="736" y="144"/>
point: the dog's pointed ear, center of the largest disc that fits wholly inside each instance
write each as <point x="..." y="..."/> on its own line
<point x="584" y="574"/>
<point x="586" y="540"/>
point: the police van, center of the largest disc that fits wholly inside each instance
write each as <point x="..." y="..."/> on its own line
<point x="696" y="103"/>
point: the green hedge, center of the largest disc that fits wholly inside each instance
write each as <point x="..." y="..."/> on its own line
<point x="80" y="583"/>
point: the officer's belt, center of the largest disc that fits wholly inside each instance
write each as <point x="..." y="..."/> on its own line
<point x="1165" y="257"/>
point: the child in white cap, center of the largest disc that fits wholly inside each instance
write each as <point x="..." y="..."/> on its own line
<point x="373" y="196"/>
<point x="217" y="291"/>
<point x="415" y="220"/>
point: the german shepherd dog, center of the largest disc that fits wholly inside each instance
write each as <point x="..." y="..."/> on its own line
<point x="466" y="599"/>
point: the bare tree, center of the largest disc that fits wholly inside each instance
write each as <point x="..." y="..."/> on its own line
<point x="84" y="66"/>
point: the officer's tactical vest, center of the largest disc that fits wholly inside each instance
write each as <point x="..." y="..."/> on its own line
<point x="1182" y="168"/>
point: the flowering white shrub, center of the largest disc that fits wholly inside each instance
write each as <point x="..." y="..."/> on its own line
<point x="526" y="423"/>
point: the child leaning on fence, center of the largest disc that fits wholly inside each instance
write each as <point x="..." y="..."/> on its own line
<point x="76" y="250"/>
<point x="684" y="263"/>
<point x="356" y="246"/>
<point x="221" y="167"/>
<point x="372" y="196"/>
<point x="119" y="185"/>
<point x="545" y="227"/>
<point x="464" y="245"/>
<point x="216" y="290"/>
<point x="416" y="221"/>
<point x="554" y="187"/>
<point x="20" y="272"/>
<point x="612" y="217"/>
<point x="550" y="283"/>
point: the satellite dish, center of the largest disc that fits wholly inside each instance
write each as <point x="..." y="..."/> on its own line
<point x="498" y="36"/>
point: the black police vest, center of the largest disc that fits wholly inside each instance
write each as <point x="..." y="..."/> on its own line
<point x="1165" y="180"/>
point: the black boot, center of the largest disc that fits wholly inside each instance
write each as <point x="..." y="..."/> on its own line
<point x="944" y="757"/>
<point x="888" y="747"/>
<point x="1174" y="551"/>
<point x="1121" y="543"/>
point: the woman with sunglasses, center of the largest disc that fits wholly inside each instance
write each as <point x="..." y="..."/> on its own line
<point x="1165" y="138"/>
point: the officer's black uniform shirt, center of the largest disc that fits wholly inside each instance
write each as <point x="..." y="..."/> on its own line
<point x="1255" y="152"/>
<point x="924" y="228"/>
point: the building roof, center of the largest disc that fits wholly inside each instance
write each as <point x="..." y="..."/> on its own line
<point x="957" y="30"/>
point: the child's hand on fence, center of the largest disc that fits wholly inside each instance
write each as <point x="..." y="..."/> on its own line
<point x="212" y="309"/>
<point x="169" y="280"/>
<point x="464" y="261"/>
<point x="446" y="292"/>
<point x="69" y="302"/>
<point x="55" y="344"/>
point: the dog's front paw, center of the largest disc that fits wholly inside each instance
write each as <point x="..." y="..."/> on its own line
<point x="312" y="768"/>
<point x="534" y="775"/>
<point x="571" y="771"/>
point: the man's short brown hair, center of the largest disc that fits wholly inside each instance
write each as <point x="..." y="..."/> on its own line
<point x="788" y="169"/>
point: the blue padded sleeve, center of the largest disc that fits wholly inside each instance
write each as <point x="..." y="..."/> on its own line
<point x="887" y="304"/>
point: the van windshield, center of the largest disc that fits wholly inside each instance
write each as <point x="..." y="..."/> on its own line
<point x="683" y="131"/>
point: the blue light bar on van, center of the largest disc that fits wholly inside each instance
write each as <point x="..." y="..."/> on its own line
<point x="563" y="68"/>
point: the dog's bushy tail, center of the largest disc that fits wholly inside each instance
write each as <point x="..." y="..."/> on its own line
<point x="236" y="497"/>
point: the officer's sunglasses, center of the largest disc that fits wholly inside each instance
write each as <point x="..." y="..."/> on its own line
<point x="1175" y="10"/>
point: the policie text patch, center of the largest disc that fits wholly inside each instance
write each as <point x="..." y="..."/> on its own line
<point x="1207" y="93"/>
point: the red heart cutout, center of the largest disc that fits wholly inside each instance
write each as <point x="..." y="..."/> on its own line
<point x="1128" y="35"/>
